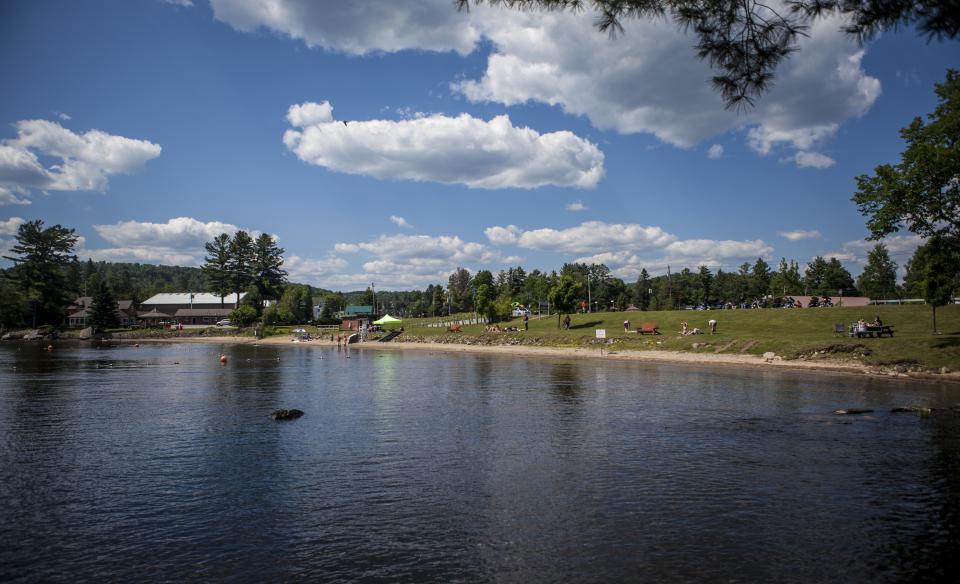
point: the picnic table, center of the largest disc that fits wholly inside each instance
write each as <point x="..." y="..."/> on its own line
<point x="871" y="331"/>
<point x="648" y="328"/>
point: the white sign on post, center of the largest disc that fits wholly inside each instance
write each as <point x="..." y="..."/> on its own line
<point x="601" y="333"/>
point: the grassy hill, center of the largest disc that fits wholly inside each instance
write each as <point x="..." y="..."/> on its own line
<point x="791" y="333"/>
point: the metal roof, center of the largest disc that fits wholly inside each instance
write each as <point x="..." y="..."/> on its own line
<point x="184" y="298"/>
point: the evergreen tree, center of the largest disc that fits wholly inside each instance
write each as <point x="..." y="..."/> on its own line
<point x="38" y="268"/>
<point x="216" y="266"/>
<point x="240" y="265"/>
<point x="103" y="308"/>
<point x="760" y="279"/>
<point x="458" y="286"/>
<point x="642" y="289"/>
<point x="268" y="272"/>
<point x="879" y="277"/>
<point x="705" y="278"/>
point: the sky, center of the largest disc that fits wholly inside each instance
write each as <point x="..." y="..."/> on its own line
<point x="389" y="143"/>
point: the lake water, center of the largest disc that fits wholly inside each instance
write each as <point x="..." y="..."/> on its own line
<point x="157" y="463"/>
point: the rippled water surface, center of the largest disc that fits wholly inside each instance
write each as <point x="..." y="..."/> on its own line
<point x="158" y="463"/>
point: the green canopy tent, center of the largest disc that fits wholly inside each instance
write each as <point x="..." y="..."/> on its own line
<point x="387" y="319"/>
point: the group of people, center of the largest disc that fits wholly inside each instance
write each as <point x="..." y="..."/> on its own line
<point x="861" y="326"/>
<point x="685" y="329"/>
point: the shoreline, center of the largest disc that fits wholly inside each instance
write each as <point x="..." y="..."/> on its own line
<point x="651" y="356"/>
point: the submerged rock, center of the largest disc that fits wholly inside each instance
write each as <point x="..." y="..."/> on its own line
<point x="284" y="415"/>
<point x="852" y="411"/>
<point x="911" y="409"/>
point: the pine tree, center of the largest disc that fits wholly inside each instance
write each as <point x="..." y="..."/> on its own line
<point x="103" y="309"/>
<point x="41" y="256"/>
<point x="240" y="266"/>
<point x="268" y="273"/>
<point x="216" y="266"/>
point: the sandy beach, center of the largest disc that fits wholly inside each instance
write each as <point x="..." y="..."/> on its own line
<point x="652" y="356"/>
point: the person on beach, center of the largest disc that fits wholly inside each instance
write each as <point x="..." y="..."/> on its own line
<point x="861" y="327"/>
<point x="683" y="328"/>
<point x="526" y="321"/>
<point x="566" y="322"/>
<point x="877" y="321"/>
<point x="712" y="323"/>
<point x="626" y="326"/>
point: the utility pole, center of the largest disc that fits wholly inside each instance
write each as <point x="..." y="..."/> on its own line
<point x="589" y="298"/>
<point x="669" y="287"/>
<point x="373" y="288"/>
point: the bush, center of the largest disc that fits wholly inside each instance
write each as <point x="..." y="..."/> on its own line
<point x="243" y="316"/>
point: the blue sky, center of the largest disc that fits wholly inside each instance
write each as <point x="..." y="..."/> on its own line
<point x="481" y="140"/>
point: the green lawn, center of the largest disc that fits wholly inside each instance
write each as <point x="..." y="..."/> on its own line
<point x="787" y="332"/>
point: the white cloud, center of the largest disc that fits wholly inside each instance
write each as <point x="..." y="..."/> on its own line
<point x="184" y="3"/>
<point x="179" y="241"/>
<point x="309" y="114"/>
<point x="301" y="269"/>
<point x="453" y="150"/>
<point x="13" y="195"/>
<point x="404" y="261"/>
<point x="586" y="237"/>
<point x="648" y="80"/>
<point x="63" y="116"/>
<point x="715" y="151"/>
<point x="798" y="234"/>
<point x="813" y="160"/>
<point x="576" y="206"/>
<point x="400" y="222"/>
<point x="625" y="248"/>
<point x="86" y="160"/>
<point x="358" y="28"/>
<point x="10" y="226"/>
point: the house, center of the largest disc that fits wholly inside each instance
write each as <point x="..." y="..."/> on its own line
<point x="79" y="311"/>
<point x="202" y="316"/>
<point x="353" y="317"/>
<point x="170" y="303"/>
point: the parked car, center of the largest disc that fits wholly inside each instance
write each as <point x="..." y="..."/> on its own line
<point x="520" y="311"/>
<point x="224" y="322"/>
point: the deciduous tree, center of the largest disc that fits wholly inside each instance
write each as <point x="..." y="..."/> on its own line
<point x="879" y="277"/>
<point x="922" y="192"/>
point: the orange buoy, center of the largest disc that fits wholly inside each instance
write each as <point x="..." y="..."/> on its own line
<point x="223" y="359"/>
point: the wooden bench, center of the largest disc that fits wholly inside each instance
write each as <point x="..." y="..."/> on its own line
<point x="872" y="331"/>
<point x="648" y="328"/>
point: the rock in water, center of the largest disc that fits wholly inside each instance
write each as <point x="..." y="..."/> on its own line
<point x="851" y="411"/>
<point x="284" y="415"/>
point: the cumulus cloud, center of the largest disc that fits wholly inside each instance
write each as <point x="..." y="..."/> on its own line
<point x="715" y="151"/>
<point x="300" y="269"/>
<point x="648" y="80"/>
<point x="85" y="160"/>
<point x="626" y="248"/>
<point x="798" y="234"/>
<point x="813" y="160"/>
<point x="180" y="241"/>
<point x="10" y="226"/>
<point x="576" y="206"/>
<point x="404" y="261"/>
<point x="358" y="28"/>
<point x="400" y="222"/>
<point x="453" y="150"/>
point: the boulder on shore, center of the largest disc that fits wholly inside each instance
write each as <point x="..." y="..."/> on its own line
<point x="86" y="334"/>
<point x="284" y="415"/>
<point x="33" y="335"/>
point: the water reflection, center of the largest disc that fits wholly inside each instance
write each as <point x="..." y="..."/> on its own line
<point x="420" y="467"/>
